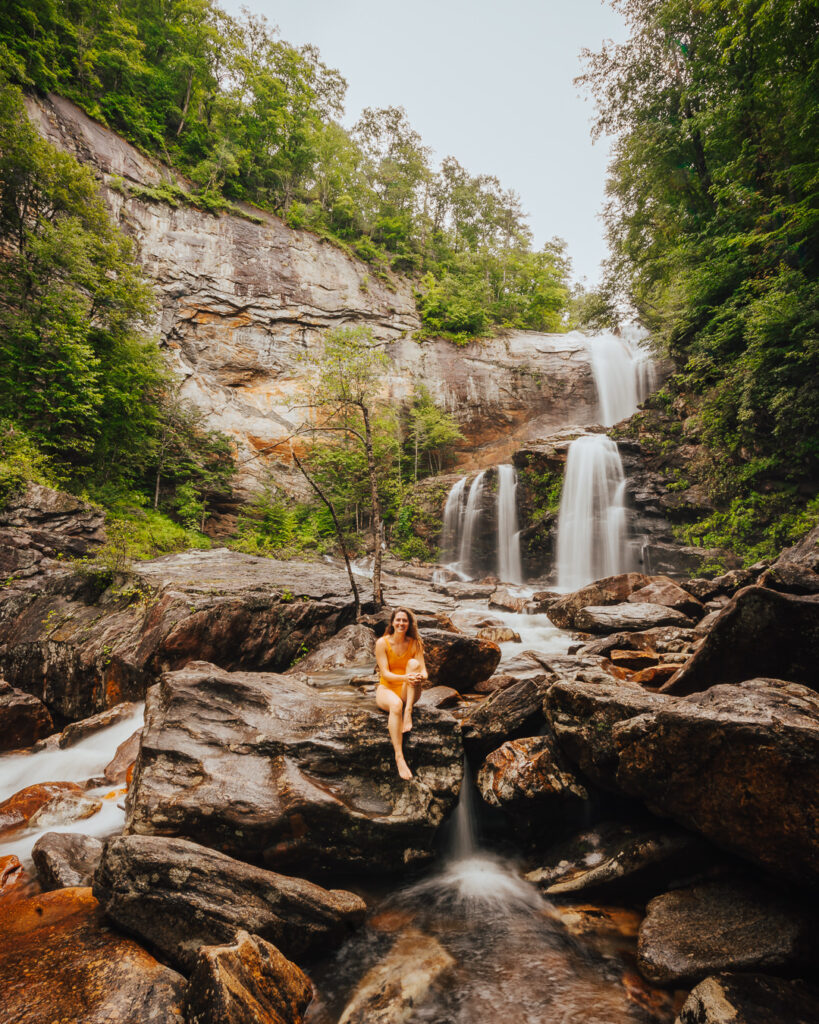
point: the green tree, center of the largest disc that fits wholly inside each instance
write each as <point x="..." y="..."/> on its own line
<point x="431" y="433"/>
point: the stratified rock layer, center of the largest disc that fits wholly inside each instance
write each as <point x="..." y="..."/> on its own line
<point x="264" y="766"/>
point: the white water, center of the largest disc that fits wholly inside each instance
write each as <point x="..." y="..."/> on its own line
<point x="450" y="547"/>
<point x="78" y="763"/>
<point x="471" y="517"/>
<point x="592" y="539"/>
<point x="510" y="569"/>
<point x="624" y="374"/>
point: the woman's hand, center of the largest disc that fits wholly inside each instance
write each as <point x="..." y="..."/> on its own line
<point x="415" y="678"/>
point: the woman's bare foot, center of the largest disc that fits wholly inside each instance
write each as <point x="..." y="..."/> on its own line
<point x="407" y="722"/>
<point x="403" y="768"/>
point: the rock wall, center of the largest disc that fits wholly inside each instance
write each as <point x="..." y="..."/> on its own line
<point x="242" y="300"/>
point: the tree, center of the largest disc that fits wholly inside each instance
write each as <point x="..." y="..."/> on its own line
<point x="432" y="432"/>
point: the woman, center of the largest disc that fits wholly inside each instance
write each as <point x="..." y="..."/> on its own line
<point x="400" y="657"/>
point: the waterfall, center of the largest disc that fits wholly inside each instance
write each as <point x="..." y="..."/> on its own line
<point x="592" y="540"/>
<point x="450" y="537"/>
<point x="472" y="513"/>
<point x="509" y="562"/>
<point x="463" y="840"/>
<point x="624" y="374"/>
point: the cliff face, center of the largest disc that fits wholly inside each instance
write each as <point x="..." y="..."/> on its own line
<point x="240" y="303"/>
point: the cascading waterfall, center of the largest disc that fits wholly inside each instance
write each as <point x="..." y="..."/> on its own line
<point x="624" y="374"/>
<point x="510" y="569"/>
<point x="471" y="515"/>
<point x="453" y="510"/>
<point x="592" y="538"/>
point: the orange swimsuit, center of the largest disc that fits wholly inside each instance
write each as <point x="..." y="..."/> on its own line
<point x="397" y="664"/>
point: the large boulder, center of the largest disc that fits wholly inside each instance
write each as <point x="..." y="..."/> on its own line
<point x="637" y="616"/>
<point x="23" y="718"/>
<point x="458" y="660"/>
<point x="59" y="961"/>
<point x="179" y="896"/>
<point x="611" y="590"/>
<point x="738" y="763"/>
<point x="65" y="859"/>
<point x="760" y="632"/>
<point x="664" y="591"/>
<point x="750" y="999"/>
<point x="264" y="766"/>
<point x="247" y="980"/>
<point x="531" y="781"/>
<point x="81" y="645"/>
<point x="583" y="716"/>
<point x="20" y="808"/>
<point x="352" y="646"/>
<point x="688" y="934"/>
<point x="513" y="711"/>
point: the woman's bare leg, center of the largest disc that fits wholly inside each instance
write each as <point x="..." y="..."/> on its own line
<point x="391" y="702"/>
<point x="410" y="695"/>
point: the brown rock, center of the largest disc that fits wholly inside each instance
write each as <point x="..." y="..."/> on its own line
<point x="750" y="999"/>
<point x="438" y="697"/>
<point x="352" y="646"/>
<point x="11" y="871"/>
<point x="637" y="616"/>
<point x="64" y="859"/>
<point x="688" y="934"/>
<point x="760" y="632"/>
<point x="611" y="590"/>
<point x="757" y="745"/>
<point x="18" y="809"/>
<point x="792" y="578"/>
<point x="179" y="896"/>
<point x="64" y="808"/>
<point x="248" y="980"/>
<point x="664" y="591"/>
<point x="503" y="599"/>
<point x="77" y="731"/>
<point x="510" y="712"/>
<point x="456" y="660"/>
<point x="655" y="676"/>
<point x="23" y="718"/>
<point x="500" y="681"/>
<point x="662" y="640"/>
<point x="499" y="634"/>
<point x="702" y="589"/>
<point x="117" y="768"/>
<point x="59" y="961"/>
<point x="634" y="661"/>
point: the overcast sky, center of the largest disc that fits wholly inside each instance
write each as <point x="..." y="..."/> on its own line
<point x="488" y="82"/>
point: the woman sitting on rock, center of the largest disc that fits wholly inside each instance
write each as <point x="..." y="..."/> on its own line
<point x="400" y="657"/>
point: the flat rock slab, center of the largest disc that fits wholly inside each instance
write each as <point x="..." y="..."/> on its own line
<point x="757" y="745"/>
<point x="61" y="961"/>
<point x="179" y="896"/>
<point x="629" y="615"/>
<point x="688" y="934"/>
<point x="664" y="591"/>
<point x="611" y="590"/>
<point x="263" y="766"/>
<point x="750" y="999"/>
<point x="248" y="980"/>
<point x="760" y="632"/>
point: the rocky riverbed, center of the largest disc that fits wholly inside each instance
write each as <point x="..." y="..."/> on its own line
<point x="613" y="814"/>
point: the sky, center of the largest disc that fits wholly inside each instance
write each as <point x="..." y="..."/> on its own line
<point x="486" y="81"/>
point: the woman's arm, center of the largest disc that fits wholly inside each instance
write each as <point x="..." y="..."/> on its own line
<point x="383" y="663"/>
<point x="421" y="674"/>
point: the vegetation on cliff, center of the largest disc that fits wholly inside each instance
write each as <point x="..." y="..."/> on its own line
<point x="712" y="221"/>
<point x="248" y="117"/>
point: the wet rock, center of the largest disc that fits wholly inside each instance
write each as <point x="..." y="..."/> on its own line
<point x="530" y="780"/>
<point x="759" y="632"/>
<point x="465" y="591"/>
<point x="750" y="999"/>
<point x="634" y="661"/>
<point x="705" y="625"/>
<point x="664" y="591"/>
<point x="456" y="660"/>
<point x="179" y="896"/>
<point x="438" y="697"/>
<point x="11" y="871"/>
<point x="583" y="717"/>
<point x="18" y="809"/>
<point x="655" y="677"/>
<point x="82" y="648"/>
<point x="792" y="578"/>
<point x="387" y="992"/>
<point x="499" y="634"/>
<point x="499" y="681"/>
<point x="23" y="718"/>
<point x="757" y="744"/>
<point x="59" y="961"/>
<point x="662" y="640"/>
<point x="118" y="767"/>
<point x="541" y="601"/>
<point x="264" y="766"/>
<point x="77" y="731"/>
<point x="508" y="713"/>
<point x="611" y="590"/>
<point x="623" y="860"/>
<point x="638" y="616"/>
<point x="248" y="980"/>
<point x="65" y="859"/>
<point x="63" y="808"/>
<point x="732" y="581"/>
<point x="354" y="645"/>
<point x="702" y="589"/>
<point x="509" y="602"/>
<point x="723" y="926"/>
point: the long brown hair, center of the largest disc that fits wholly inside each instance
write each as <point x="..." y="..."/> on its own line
<point x="412" y="628"/>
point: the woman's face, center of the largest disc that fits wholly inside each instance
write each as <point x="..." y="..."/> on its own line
<point x="401" y="622"/>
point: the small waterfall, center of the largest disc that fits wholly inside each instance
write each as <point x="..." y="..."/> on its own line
<point x="624" y="374"/>
<point x="463" y="841"/>
<point x="453" y="510"/>
<point x="509" y="563"/>
<point x="592" y="540"/>
<point x="472" y="513"/>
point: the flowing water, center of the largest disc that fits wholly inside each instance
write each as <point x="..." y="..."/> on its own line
<point x="509" y="562"/>
<point x="624" y="374"/>
<point x="592" y="538"/>
<point x="470" y="519"/>
<point x="453" y="512"/>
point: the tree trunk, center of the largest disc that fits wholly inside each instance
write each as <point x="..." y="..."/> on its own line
<point x="339" y="534"/>
<point x="378" y="598"/>
<point x="186" y="104"/>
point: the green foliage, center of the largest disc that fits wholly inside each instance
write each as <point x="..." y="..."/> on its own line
<point x="273" y="525"/>
<point x="431" y="434"/>
<point x="21" y="462"/>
